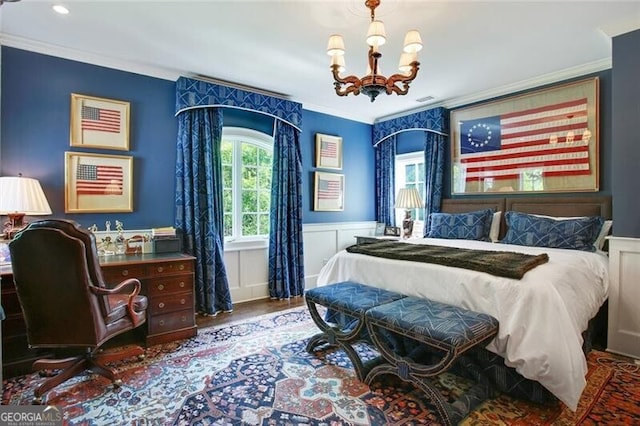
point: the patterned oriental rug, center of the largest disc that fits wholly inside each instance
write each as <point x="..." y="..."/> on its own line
<point x="258" y="373"/>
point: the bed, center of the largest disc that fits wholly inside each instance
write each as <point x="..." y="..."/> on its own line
<point x="542" y="316"/>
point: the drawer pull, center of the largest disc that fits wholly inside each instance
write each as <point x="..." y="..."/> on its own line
<point x="181" y="284"/>
<point x="160" y="269"/>
<point x="160" y="286"/>
<point x="125" y="272"/>
<point x="161" y="305"/>
<point x="161" y="323"/>
<point x="182" y="301"/>
<point x="181" y="267"/>
<point x="184" y="318"/>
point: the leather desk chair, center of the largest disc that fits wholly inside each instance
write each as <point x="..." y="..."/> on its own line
<point x="66" y="303"/>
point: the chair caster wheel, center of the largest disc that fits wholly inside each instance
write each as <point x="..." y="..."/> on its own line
<point x="37" y="400"/>
<point x="117" y="383"/>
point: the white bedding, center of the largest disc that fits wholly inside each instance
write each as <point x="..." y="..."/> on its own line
<point x="541" y="316"/>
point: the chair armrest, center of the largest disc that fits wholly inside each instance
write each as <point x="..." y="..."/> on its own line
<point x="103" y="291"/>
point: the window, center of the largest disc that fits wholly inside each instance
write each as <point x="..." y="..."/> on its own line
<point x="246" y="177"/>
<point x="410" y="173"/>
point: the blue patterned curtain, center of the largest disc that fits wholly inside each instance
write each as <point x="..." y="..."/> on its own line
<point x="385" y="181"/>
<point x="199" y="204"/>
<point x="434" y="158"/>
<point x="286" y="261"/>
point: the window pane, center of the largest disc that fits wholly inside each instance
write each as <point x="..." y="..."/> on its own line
<point x="249" y="224"/>
<point x="226" y="151"/>
<point x="264" y="201"/>
<point x="420" y="177"/>
<point x="249" y="201"/>
<point x="264" y="178"/>
<point x="249" y="178"/>
<point x="264" y="158"/>
<point x="264" y="224"/>
<point x="249" y="155"/>
<point x="228" y="224"/>
<point x="410" y="172"/>
<point x="227" y="176"/>
<point x="227" y="200"/>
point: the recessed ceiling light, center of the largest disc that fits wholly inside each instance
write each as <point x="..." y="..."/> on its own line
<point x="60" y="9"/>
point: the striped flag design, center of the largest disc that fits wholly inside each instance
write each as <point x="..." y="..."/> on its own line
<point x="328" y="149"/>
<point x="553" y="138"/>
<point x="99" y="180"/>
<point x="328" y="189"/>
<point x="100" y="119"/>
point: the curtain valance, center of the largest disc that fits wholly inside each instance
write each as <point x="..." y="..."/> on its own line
<point x="433" y="120"/>
<point x="193" y="93"/>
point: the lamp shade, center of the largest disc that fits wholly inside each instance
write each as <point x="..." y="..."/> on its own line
<point x="376" y="36"/>
<point x="408" y="198"/>
<point x="22" y="195"/>
<point x="412" y="42"/>
<point x="335" y="46"/>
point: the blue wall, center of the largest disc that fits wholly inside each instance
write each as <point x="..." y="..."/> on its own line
<point x="626" y="149"/>
<point x="36" y="92"/>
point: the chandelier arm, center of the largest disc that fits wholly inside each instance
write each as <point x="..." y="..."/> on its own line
<point x="352" y="83"/>
<point x="405" y="80"/>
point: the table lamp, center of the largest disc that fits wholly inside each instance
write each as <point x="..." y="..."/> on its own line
<point x="408" y="199"/>
<point x="20" y="196"/>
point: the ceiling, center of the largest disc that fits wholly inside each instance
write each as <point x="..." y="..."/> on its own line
<point x="472" y="50"/>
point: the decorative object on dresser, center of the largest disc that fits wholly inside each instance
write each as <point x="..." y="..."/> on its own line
<point x="67" y="305"/>
<point x="99" y="123"/>
<point x="408" y="199"/>
<point x="374" y="83"/>
<point x="98" y="183"/>
<point x="20" y="196"/>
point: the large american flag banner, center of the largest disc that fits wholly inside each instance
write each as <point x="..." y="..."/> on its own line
<point x="553" y="139"/>
<point x="100" y="119"/>
<point x="94" y="179"/>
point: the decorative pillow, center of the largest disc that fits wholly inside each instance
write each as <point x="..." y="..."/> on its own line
<point x="604" y="231"/>
<point x="494" y="233"/>
<point x="578" y="233"/>
<point x="463" y="226"/>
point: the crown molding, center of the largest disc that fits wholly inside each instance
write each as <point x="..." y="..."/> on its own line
<point x="89" y="58"/>
<point x="542" y="80"/>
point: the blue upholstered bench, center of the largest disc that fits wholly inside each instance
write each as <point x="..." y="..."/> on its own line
<point x="352" y="300"/>
<point x="446" y="332"/>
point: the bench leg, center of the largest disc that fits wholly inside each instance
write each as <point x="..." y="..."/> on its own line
<point x="419" y="374"/>
<point x="335" y="336"/>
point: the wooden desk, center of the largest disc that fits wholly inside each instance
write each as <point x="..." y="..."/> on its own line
<point x="167" y="281"/>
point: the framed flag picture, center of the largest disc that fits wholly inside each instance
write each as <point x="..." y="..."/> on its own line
<point x="98" y="183"/>
<point x="99" y="123"/>
<point x="328" y="152"/>
<point x="329" y="192"/>
<point x="539" y="142"/>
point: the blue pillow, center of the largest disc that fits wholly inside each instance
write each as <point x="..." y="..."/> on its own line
<point x="463" y="226"/>
<point x="569" y="233"/>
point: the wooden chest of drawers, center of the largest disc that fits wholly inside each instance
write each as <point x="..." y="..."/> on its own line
<point x="167" y="281"/>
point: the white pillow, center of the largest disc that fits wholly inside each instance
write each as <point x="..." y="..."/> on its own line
<point x="494" y="232"/>
<point x="604" y="231"/>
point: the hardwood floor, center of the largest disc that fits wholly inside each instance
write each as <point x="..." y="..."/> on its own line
<point x="248" y="310"/>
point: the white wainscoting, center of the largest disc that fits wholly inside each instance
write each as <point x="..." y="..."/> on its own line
<point x="247" y="269"/>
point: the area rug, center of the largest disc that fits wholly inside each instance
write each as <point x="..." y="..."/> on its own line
<point x="258" y="373"/>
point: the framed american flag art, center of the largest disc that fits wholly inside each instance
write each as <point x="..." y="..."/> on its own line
<point x="329" y="192"/>
<point x="99" y="123"/>
<point x="98" y="183"/>
<point x="328" y="152"/>
<point x="541" y="141"/>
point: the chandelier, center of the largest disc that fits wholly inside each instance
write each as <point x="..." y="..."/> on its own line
<point x="374" y="83"/>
